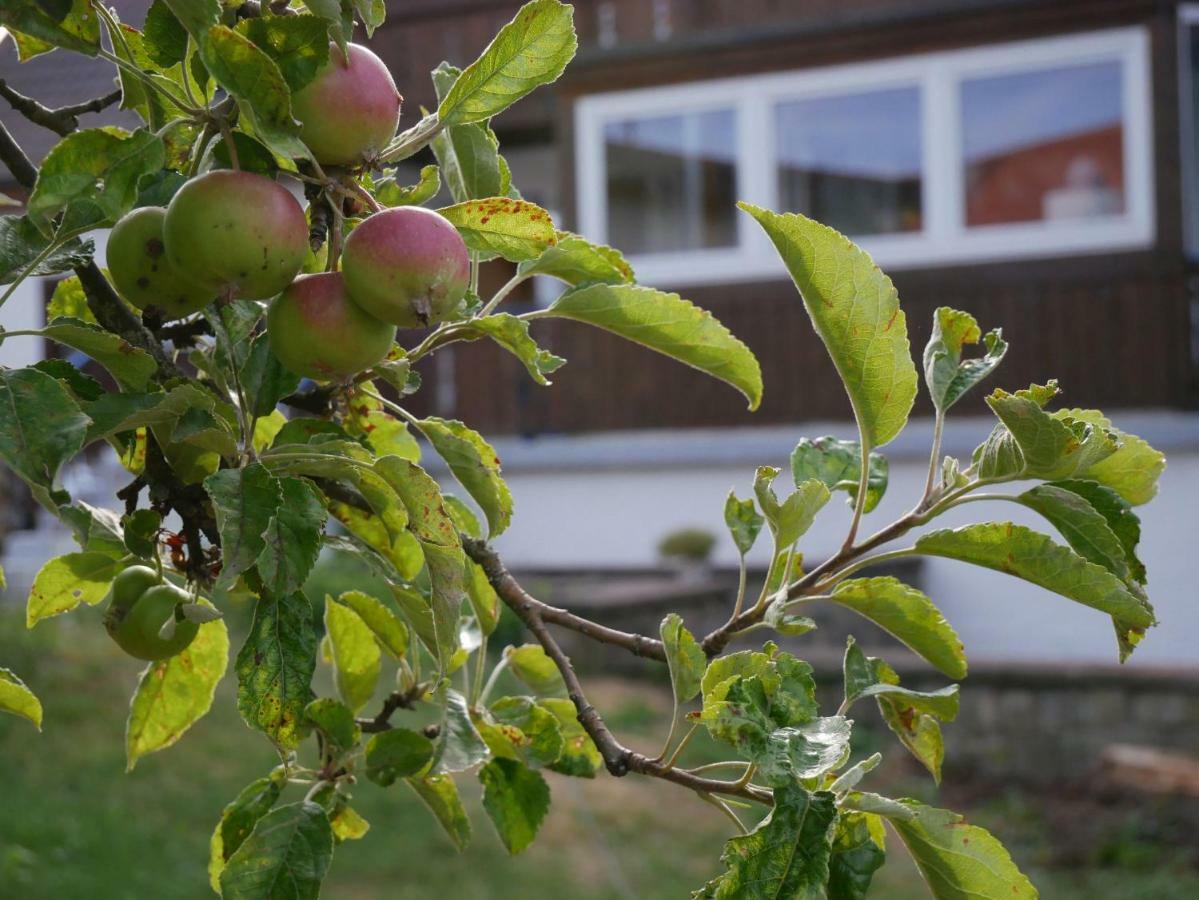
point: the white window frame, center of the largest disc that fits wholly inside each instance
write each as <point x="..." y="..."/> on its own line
<point x="1188" y="18"/>
<point x="944" y="237"/>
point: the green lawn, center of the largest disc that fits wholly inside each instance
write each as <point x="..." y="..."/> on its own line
<point x="73" y="824"/>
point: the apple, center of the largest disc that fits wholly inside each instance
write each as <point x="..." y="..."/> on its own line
<point x="141" y="605"/>
<point x="236" y="234"/>
<point x="407" y="266"/>
<point x="143" y="274"/>
<point x="317" y="331"/>
<point x="350" y="111"/>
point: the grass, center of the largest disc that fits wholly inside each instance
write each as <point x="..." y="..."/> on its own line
<point x="74" y="824"/>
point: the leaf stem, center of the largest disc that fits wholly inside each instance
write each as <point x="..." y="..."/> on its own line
<point x="495" y="677"/>
<point x="859" y="505"/>
<point x="45" y="253"/>
<point x="678" y="751"/>
<point x="934" y="458"/>
<point x="141" y="76"/>
<point x="742" y="575"/>
<point x="503" y="292"/>
<point x="724" y="808"/>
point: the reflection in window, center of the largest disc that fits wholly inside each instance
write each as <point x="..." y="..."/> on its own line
<point x="672" y="182"/>
<point x="853" y="161"/>
<point x="1044" y="145"/>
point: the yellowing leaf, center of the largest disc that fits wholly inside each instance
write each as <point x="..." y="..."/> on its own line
<point x="17" y="699"/>
<point x="175" y="693"/>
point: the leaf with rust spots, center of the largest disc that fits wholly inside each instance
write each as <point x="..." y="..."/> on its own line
<point x="275" y="666"/>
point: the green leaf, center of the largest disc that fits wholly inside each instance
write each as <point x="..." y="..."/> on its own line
<point x="131" y="366"/>
<point x="1118" y="514"/>
<point x="909" y="616"/>
<point x="91" y="177"/>
<point x="578" y="261"/>
<point x="520" y="728"/>
<point x="838" y="464"/>
<point x="391" y="633"/>
<point x="1132" y="471"/>
<point x="69" y="300"/>
<point x="79" y="384"/>
<point x="749" y="695"/>
<point x="512" y="334"/>
<point x="285" y="856"/>
<point x="264" y="378"/>
<point x="531" y="50"/>
<point x="356" y="657"/>
<point x="1084" y="528"/>
<point x="21" y="243"/>
<point x="398" y="753"/>
<point x="18" y="700"/>
<point x="459" y="744"/>
<point x="292" y="538"/>
<point x="275" y="666"/>
<point x="438" y="537"/>
<point x="387" y="435"/>
<point x="238" y="820"/>
<point x="335" y="720"/>
<point x="513" y="229"/>
<point x="484" y="601"/>
<point x="790" y="519"/>
<point x="1049" y="445"/>
<point x="164" y="36"/>
<point x="66" y="581"/>
<point x="338" y="16"/>
<point x="914" y="716"/>
<point x="804" y="751"/>
<point x="949" y="377"/>
<point x="440" y="795"/>
<point x="743" y="521"/>
<point x="299" y="45"/>
<point x="684" y="658"/>
<point x="532" y="665"/>
<point x="70" y="24"/>
<point x="41" y="428"/>
<point x="859" y="850"/>
<point x="469" y="157"/>
<point x="1034" y="557"/>
<point x="141" y="529"/>
<point x="786" y="856"/>
<point x="173" y="694"/>
<point x="475" y="465"/>
<point x="391" y="194"/>
<point x="197" y="16"/>
<point x="959" y="861"/>
<point x="855" y="310"/>
<point x="669" y="324"/>
<point x="580" y="757"/>
<point x="245" y="502"/>
<point x="252" y="77"/>
<point x="516" y="799"/>
<point x="347" y="823"/>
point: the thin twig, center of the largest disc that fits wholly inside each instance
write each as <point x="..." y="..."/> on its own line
<point x="63" y="120"/>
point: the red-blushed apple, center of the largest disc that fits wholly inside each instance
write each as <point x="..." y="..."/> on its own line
<point x="236" y="234"/>
<point x="408" y="266"/>
<point x="317" y="331"/>
<point x="141" y="271"/>
<point x="350" y="111"/>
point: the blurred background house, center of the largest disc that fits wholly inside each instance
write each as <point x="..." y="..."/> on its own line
<point x="1034" y="162"/>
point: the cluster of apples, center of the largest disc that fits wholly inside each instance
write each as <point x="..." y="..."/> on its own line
<point x="238" y="234"/>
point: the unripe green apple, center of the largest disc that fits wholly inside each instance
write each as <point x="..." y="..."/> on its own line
<point x="141" y="605"/>
<point x="317" y="331"/>
<point x="143" y="274"/>
<point x="236" y="233"/>
<point x="349" y="112"/>
<point x="408" y="266"/>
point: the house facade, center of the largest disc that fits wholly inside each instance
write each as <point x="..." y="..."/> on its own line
<point x="1032" y="162"/>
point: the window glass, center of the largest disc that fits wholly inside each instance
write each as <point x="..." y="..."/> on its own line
<point x="853" y="161"/>
<point x="671" y="182"/>
<point x="1044" y="145"/>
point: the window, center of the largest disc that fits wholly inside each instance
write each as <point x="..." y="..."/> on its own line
<point x="852" y="160"/>
<point x="672" y="182"/>
<point x="1043" y="145"/>
<point x="1039" y="148"/>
